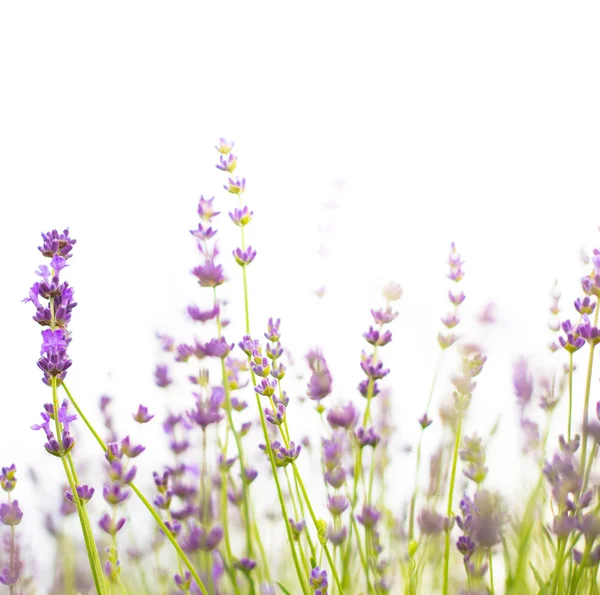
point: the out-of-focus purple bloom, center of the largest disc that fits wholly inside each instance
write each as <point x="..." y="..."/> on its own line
<point x="115" y="494"/>
<point x="344" y="417"/>
<point x="235" y="185"/>
<point x="141" y="415"/>
<point x="10" y="514"/>
<point x="474" y="570"/>
<point x="183" y="583"/>
<point x="297" y="528"/>
<point x="249" y="345"/>
<point x="430" y="522"/>
<point x="203" y="233"/>
<point x="383" y="316"/>
<point x="9" y="577"/>
<point x="455" y="264"/>
<point x="245" y="564"/>
<point x="456" y="298"/>
<point x="217" y="348"/>
<point x="228" y="163"/>
<point x="110" y="526"/>
<point x="369" y="516"/>
<point x="465" y="545"/>
<point x="161" y="376"/>
<point x="131" y="450"/>
<point x="364" y="385"/>
<point x="321" y="381"/>
<point x="450" y="320"/>
<point x="201" y="539"/>
<point x="203" y="315"/>
<point x="337" y="504"/>
<point x="425" y="421"/>
<point x="260" y="365"/>
<point x="523" y="382"/>
<point x="318" y="580"/>
<point x="337" y="537"/>
<point x="367" y="437"/>
<point x="224" y="147"/>
<point x="205" y="209"/>
<point x="446" y="340"/>
<point x="335" y="477"/>
<point x="209" y="274"/>
<point x="564" y="524"/>
<point x="163" y="500"/>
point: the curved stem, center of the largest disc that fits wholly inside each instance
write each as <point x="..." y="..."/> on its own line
<point x="449" y="510"/>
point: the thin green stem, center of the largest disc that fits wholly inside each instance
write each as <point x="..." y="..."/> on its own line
<point x="570" y="395"/>
<point x="490" y="557"/>
<point x="449" y="509"/>
<point x="586" y="403"/>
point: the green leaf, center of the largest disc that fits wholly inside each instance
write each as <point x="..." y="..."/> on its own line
<point x="283" y="588"/>
<point x="313" y="562"/>
<point x="539" y="580"/>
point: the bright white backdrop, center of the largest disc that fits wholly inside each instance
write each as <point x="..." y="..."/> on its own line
<point x="465" y="121"/>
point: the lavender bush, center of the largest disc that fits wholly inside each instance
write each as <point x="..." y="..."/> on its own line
<point x="252" y="503"/>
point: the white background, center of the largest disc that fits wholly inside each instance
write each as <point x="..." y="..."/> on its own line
<point x="466" y="121"/>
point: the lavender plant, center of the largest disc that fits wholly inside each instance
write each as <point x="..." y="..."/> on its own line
<point x="243" y="502"/>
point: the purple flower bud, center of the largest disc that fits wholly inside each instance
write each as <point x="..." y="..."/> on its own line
<point x="336" y="477"/>
<point x="84" y="492"/>
<point x="183" y="583"/>
<point x="10" y="514"/>
<point x="456" y="298"/>
<point x="244" y="257"/>
<point x="297" y="528"/>
<point x="203" y="315"/>
<point x="337" y="537"/>
<point x="130" y="450"/>
<point x="465" y="545"/>
<point x="367" y="437"/>
<point x="115" y="494"/>
<point x="585" y="305"/>
<point x="245" y="565"/>
<point x="383" y="316"/>
<point x="110" y="526"/>
<point x="209" y="274"/>
<point x="266" y="387"/>
<point x="161" y="376"/>
<point x="236" y="185"/>
<point x="228" y="163"/>
<point x="376" y="337"/>
<point x="318" y="579"/>
<point x="241" y="217"/>
<point x="372" y="368"/>
<point x="141" y="415"/>
<point x="273" y="333"/>
<point x="369" y="516"/>
<point x="224" y="147"/>
<point x="275" y="418"/>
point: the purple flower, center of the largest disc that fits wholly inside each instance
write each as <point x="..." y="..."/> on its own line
<point x="209" y="274"/>
<point x="363" y="388"/>
<point x="183" y="583"/>
<point x="203" y="234"/>
<point x="203" y="315"/>
<point x="337" y="537"/>
<point x="141" y="415"/>
<point x="244" y="257"/>
<point x="236" y="185"/>
<point x="372" y="368"/>
<point x="383" y="316"/>
<point x="573" y="341"/>
<point x="369" y="516"/>
<point x="10" y="514"/>
<point x="446" y="340"/>
<point x="161" y="376"/>
<point x="455" y="263"/>
<point x="275" y="418"/>
<point x="266" y="387"/>
<point x="337" y="504"/>
<point x="430" y="522"/>
<point x="205" y="209"/>
<point x="425" y="421"/>
<point x="228" y="163"/>
<point x="456" y="298"/>
<point x="217" y="348"/>
<point x="241" y="217"/>
<point x="115" y="494"/>
<point x="465" y="545"/>
<point x="318" y="580"/>
<point x="200" y="539"/>
<point x="590" y="333"/>
<point x="84" y="492"/>
<point x="110" y="526"/>
<point x="345" y="417"/>
<point x="320" y="383"/>
<point x="377" y="337"/>
<point x="336" y="477"/>
<point x="245" y="564"/>
<point x="273" y="333"/>
<point x="9" y="576"/>
<point x="8" y="479"/>
<point x="523" y="382"/>
<point x="57" y="244"/>
<point x="224" y="147"/>
<point x="131" y="450"/>
<point x="585" y="305"/>
<point x="367" y="437"/>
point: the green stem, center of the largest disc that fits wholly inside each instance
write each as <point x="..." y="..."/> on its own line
<point x="570" y="395"/>
<point x="144" y="501"/>
<point x="450" y="497"/>
<point x="491" y="571"/>
<point x="586" y="403"/>
<point x="69" y="468"/>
